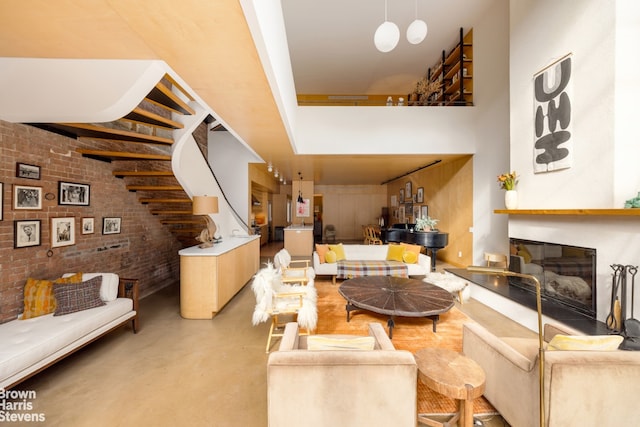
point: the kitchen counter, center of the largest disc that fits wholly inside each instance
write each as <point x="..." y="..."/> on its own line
<point x="298" y="240"/>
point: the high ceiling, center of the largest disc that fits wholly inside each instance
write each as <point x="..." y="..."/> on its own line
<point x="210" y="46"/>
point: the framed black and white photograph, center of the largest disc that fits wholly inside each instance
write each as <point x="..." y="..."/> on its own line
<point x="27" y="171"/>
<point x="407" y="190"/>
<point x="424" y="211"/>
<point x="420" y="195"/>
<point x="88" y="225"/>
<point x="25" y="197"/>
<point x="71" y="193"/>
<point x="401" y="196"/>
<point x="111" y="225"/>
<point x="63" y="232"/>
<point x="26" y="233"/>
<point x="416" y="212"/>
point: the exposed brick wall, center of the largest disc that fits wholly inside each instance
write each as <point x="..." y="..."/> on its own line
<point x="144" y="249"/>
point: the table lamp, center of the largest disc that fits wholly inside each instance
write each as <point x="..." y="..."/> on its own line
<point x="205" y="205"/>
<point x="504" y="272"/>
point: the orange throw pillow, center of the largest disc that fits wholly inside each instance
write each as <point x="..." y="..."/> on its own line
<point x="38" y="295"/>
<point x="322" y="251"/>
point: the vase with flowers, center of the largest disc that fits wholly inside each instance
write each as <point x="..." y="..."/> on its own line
<point x="508" y="182"/>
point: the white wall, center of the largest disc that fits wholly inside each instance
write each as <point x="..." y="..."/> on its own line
<point x="541" y="31"/>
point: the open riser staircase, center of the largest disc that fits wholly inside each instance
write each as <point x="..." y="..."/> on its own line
<point x="140" y="145"/>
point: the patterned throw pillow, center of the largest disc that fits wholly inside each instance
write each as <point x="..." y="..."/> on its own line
<point x="38" y="296"/>
<point x="71" y="297"/>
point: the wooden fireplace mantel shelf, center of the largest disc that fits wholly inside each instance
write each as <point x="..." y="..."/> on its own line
<point x="582" y="212"/>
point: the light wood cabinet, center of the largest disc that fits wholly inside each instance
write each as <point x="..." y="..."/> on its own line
<point x="298" y="241"/>
<point x="210" y="277"/>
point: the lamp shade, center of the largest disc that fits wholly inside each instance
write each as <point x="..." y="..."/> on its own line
<point x="417" y="31"/>
<point x="386" y="36"/>
<point x="204" y="205"/>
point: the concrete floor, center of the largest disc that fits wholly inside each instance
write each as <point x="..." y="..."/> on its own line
<point x="177" y="371"/>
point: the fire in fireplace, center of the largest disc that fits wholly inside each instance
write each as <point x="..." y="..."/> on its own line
<point x="567" y="273"/>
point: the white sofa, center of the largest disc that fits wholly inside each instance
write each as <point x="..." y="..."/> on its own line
<point x="369" y="253"/>
<point x="31" y="345"/>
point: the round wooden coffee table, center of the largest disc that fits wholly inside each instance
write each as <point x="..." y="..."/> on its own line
<point x="396" y="296"/>
<point x="454" y="375"/>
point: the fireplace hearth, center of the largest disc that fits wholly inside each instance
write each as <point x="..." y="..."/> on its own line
<point x="566" y="273"/>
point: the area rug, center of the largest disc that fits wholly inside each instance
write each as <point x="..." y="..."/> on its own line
<point x="410" y="334"/>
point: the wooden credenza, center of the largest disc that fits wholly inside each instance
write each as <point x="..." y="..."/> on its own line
<point x="210" y="277"/>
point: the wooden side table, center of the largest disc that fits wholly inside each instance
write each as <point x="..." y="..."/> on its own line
<point x="453" y="375"/>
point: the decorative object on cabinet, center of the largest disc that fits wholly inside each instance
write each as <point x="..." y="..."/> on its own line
<point x="26" y="233"/>
<point x="87" y="225"/>
<point x="25" y="197"/>
<point x="63" y="232"/>
<point x="553" y="96"/>
<point x="24" y="170"/>
<point x="71" y="193"/>
<point x="111" y="225"/>
<point x="205" y="205"/>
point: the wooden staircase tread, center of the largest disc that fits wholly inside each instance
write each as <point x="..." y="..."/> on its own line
<point x="181" y="221"/>
<point x="140" y="115"/>
<point x="88" y="130"/>
<point x="121" y="174"/>
<point x="171" y="212"/>
<point x="147" y="200"/>
<point x="162" y="96"/>
<point x="154" y="188"/>
<point x="121" y="155"/>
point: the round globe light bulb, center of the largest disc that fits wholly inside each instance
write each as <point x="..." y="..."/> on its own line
<point x="417" y="31"/>
<point x="386" y="37"/>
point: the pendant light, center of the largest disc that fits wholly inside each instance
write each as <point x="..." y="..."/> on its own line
<point x="387" y="35"/>
<point x="300" y="199"/>
<point x="417" y="30"/>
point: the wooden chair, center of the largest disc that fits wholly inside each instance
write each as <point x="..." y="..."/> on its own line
<point x="282" y="303"/>
<point x="372" y="236"/>
<point x="289" y="274"/>
<point x="330" y="233"/>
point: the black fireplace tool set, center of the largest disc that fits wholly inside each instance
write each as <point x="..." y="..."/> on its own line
<point x="617" y="320"/>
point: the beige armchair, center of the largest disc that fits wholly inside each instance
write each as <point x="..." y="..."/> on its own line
<point x="319" y="388"/>
<point x="581" y="388"/>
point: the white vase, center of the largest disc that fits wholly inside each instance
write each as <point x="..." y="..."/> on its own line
<point x="511" y="199"/>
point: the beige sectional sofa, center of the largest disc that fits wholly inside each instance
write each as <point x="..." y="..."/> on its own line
<point x="341" y="388"/>
<point x="31" y="345"/>
<point x="581" y="388"/>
